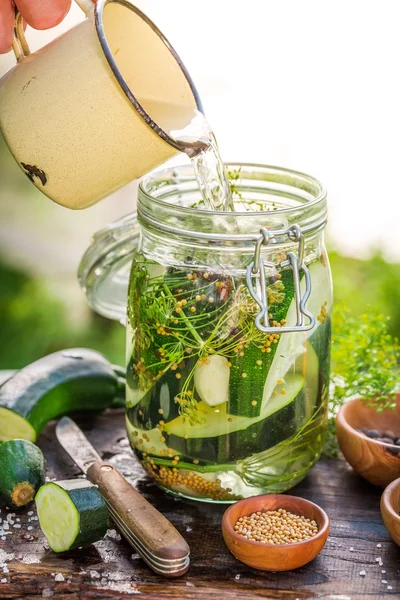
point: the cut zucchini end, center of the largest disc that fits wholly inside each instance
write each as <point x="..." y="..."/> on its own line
<point x="23" y="494"/>
<point x="14" y="427"/>
<point x="58" y="517"/>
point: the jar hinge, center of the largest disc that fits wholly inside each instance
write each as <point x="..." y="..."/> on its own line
<point x="256" y="282"/>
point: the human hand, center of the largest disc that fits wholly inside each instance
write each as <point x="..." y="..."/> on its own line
<point x="40" y="14"/>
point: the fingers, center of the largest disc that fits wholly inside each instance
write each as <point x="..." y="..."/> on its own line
<point x="6" y="25"/>
<point x="42" y="14"/>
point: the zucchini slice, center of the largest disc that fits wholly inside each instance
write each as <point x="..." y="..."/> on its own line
<point x="223" y="437"/>
<point x="22" y="472"/>
<point x="70" y="380"/>
<point x="71" y="514"/>
<point x="217" y="422"/>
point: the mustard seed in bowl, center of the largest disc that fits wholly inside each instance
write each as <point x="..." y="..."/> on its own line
<point x="276" y="527"/>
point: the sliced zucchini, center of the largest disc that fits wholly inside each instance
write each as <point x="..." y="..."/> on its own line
<point x="66" y="381"/>
<point x="148" y="440"/>
<point x="71" y="514"/>
<point x="223" y="438"/>
<point x="22" y="472"/>
<point x="217" y="422"/>
<point x="252" y="366"/>
<point x="211" y="379"/>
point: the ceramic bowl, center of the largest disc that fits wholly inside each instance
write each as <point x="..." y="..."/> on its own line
<point x="270" y="557"/>
<point x="390" y="510"/>
<point x="377" y="462"/>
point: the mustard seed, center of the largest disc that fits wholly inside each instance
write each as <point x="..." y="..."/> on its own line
<point x="276" y="527"/>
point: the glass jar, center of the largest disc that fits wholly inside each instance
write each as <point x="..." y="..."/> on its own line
<point x="228" y="331"/>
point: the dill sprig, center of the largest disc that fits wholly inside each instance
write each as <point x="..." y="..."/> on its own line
<point x="364" y="363"/>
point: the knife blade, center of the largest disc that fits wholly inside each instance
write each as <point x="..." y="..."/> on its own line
<point x="151" y="535"/>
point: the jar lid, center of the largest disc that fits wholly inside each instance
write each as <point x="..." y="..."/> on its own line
<point x="104" y="270"/>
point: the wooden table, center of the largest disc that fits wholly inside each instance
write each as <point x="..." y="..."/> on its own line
<point x="109" y="570"/>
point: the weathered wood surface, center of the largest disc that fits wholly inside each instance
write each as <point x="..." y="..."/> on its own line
<point x="108" y="569"/>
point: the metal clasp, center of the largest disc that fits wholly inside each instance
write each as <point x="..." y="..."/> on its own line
<point x="256" y="281"/>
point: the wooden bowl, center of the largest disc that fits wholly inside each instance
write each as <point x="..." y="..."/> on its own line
<point x="390" y="510"/>
<point x="270" y="557"/>
<point x="377" y="462"/>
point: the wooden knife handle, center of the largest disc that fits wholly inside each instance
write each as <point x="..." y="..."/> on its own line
<point x="154" y="531"/>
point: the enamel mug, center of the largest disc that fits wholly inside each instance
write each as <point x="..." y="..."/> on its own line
<point x="92" y="110"/>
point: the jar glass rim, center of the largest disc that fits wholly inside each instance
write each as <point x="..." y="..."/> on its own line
<point x="150" y="181"/>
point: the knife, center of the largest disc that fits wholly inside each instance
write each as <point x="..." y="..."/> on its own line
<point x="151" y="535"/>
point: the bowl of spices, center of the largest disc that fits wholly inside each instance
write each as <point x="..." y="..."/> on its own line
<point x="275" y="532"/>
<point x="370" y="440"/>
<point x="390" y="510"/>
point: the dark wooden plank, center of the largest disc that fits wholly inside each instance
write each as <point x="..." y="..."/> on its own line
<point x="110" y="569"/>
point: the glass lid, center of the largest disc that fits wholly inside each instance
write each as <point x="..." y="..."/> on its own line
<point x="103" y="273"/>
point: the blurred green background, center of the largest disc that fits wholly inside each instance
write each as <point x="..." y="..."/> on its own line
<point x="42" y="308"/>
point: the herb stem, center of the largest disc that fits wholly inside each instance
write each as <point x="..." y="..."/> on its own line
<point x="185" y="319"/>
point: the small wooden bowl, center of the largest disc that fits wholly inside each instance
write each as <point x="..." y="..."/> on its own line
<point x="270" y="557"/>
<point x="377" y="462"/>
<point x="390" y="510"/>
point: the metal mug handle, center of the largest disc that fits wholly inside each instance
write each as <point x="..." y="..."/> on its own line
<point x="19" y="43"/>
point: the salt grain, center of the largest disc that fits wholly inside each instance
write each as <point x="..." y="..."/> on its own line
<point x="237" y="577"/>
<point x="59" y="577"/>
<point x="113" y="534"/>
<point x="3" y="580"/>
<point x="389" y="587"/>
<point x="94" y="575"/>
<point x="362" y="573"/>
<point x="30" y="513"/>
<point x="379" y="545"/>
<point x="384" y="581"/>
<point x="352" y="549"/>
<point x="383" y="571"/>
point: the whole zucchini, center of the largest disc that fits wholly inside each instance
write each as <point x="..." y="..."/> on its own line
<point x="72" y="380"/>
<point x="22" y="472"/>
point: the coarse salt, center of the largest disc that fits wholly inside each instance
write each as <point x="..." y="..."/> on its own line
<point x="362" y="573"/>
<point x="59" y="577"/>
<point x="94" y="575"/>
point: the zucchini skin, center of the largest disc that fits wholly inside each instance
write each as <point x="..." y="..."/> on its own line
<point x="238" y="445"/>
<point x="91" y="507"/>
<point x="69" y="380"/>
<point x="244" y="390"/>
<point x="22" y="472"/>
